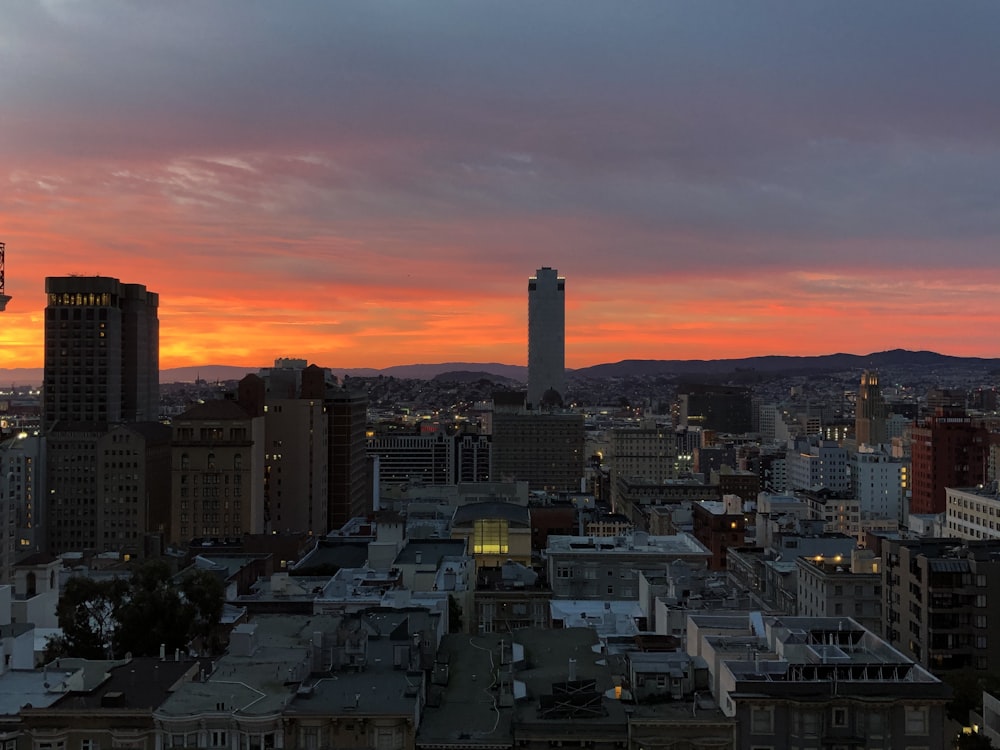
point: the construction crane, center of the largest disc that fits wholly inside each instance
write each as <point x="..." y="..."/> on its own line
<point x="4" y="298"/>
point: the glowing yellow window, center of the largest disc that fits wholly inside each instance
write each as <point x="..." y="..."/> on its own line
<point x="490" y="537"/>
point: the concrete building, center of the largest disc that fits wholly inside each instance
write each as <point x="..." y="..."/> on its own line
<point x="940" y="599"/>
<point x="639" y="496"/>
<point x="648" y="452"/>
<point x="841" y="586"/>
<point x="217" y="468"/>
<point x="427" y="459"/>
<point x="22" y="489"/>
<point x="721" y="408"/>
<point x="473" y="456"/>
<point x="972" y="512"/>
<point x="879" y="483"/>
<point x="803" y="682"/>
<point x="609" y="567"/>
<point x="546" y="338"/>
<point x="133" y="481"/>
<point x="102" y="349"/>
<point x="296" y="473"/>
<point x="71" y="482"/>
<point x="543" y="449"/>
<point x="818" y="463"/>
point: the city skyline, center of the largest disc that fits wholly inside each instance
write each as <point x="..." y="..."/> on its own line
<point x="367" y="186"/>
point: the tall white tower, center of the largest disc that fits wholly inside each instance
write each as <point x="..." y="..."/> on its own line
<point x="546" y="336"/>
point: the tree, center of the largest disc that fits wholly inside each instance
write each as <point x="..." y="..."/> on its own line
<point x="454" y="615"/>
<point x="138" y="615"/>
<point x="204" y="597"/>
<point x="153" y="613"/>
<point x="88" y="613"/>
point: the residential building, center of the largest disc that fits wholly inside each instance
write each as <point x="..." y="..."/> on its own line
<point x="218" y="468"/>
<point x="609" y="567"/>
<point x="879" y="483"/>
<point x="818" y="463"/>
<point x="972" y="512"/>
<point x="22" y="490"/>
<point x="133" y="481"/>
<point x="805" y="682"/>
<point x="948" y="450"/>
<point x="719" y="526"/>
<point x="841" y="586"/>
<point x="940" y="597"/>
<point x="648" y="452"/>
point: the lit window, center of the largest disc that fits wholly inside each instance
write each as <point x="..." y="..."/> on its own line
<point x="490" y="537"/>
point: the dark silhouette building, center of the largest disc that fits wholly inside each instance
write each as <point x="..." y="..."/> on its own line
<point x="102" y="352"/>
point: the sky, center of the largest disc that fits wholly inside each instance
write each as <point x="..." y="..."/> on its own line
<point x="368" y="184"/>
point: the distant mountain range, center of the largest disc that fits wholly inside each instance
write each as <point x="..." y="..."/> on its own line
<point x="465" y="371"/>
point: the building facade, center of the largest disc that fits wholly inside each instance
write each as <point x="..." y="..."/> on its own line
<point x="940" y="602"/>
<point x="546" y="337"/>
<point x="101" y="352"/>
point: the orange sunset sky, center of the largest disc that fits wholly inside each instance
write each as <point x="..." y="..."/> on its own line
<point x="371" y="184"/>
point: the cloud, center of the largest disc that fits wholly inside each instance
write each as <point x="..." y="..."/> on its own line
<point x="413" y="156"/>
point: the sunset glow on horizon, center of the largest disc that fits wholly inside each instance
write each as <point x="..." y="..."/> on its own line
<point x="367" y="185"/>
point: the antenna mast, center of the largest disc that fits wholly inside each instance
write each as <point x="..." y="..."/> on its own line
<point x="4" y="298"/>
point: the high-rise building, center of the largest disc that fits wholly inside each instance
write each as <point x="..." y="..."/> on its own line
<point x="870" y="412"/>
<point x="949" y="450"/>
<point x="347" y="419"/>
<point x="296" y="485"/>
<point x="102" y="358"/>
<point x="217" y="462"/>
<point x="546" y="338"/>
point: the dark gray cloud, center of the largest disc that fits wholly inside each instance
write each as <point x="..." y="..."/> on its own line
<point x="771" y="124"/>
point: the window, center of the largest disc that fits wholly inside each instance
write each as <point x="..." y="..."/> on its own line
<point x="490" y="537"/>
<point x="89" y="745"/>
<point x="762" y="720"/>
<point x="916" y="719"/>
<point x="839" y="716"/>
<point x="564" y="571"/>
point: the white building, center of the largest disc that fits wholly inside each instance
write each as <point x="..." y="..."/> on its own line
<point x="878" y="482"/>
<point x="546" y="335"/>
<point x="814" y="464"/>
<point x="972" y="513"/>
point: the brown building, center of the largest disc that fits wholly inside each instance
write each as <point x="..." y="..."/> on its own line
<point x="217" y="488"/>
<point x="940" y="602"/>
<point x="718" y="527"/>
<point x="947" y="451"/>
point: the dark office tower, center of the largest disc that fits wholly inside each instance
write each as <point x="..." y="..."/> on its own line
<point x="546" y="338"/>
<point x="347" y="419"/>
<point x="102" y="348"/>
<point x="870" y="412"/>
<point x="721" y="408"/>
